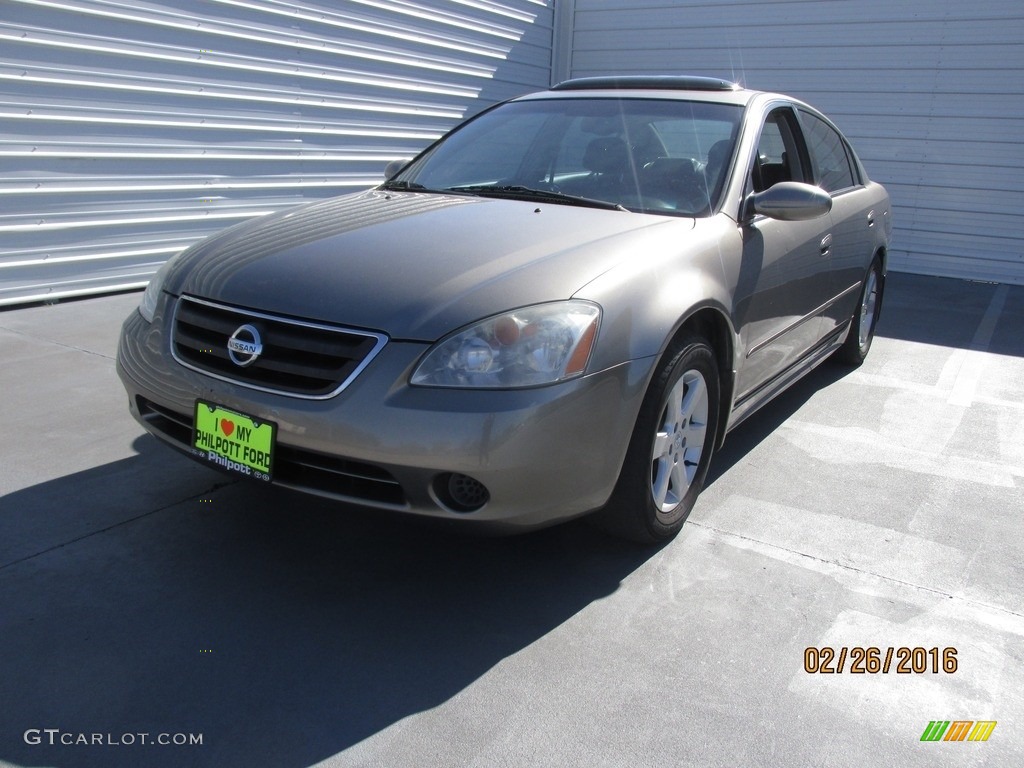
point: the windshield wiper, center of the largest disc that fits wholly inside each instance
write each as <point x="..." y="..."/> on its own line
<point x="412" y="186"/>
<point x="520" y="192"/>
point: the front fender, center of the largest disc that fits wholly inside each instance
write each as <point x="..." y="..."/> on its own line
<point x="650" y="295"/>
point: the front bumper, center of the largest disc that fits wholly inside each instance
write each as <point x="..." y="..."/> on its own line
<point x="544" y="454"/>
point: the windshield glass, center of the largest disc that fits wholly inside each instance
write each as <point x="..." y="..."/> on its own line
<point x="650" y="155"/>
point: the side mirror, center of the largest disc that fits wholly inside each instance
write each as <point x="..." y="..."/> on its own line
<point x="391" y="169"/>
<point x="790" y="201"/>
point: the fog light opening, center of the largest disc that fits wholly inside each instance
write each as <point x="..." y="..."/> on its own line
<point x="461" y="493"/>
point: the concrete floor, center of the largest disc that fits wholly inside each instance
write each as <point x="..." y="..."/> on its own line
<point x="143" y="594"/>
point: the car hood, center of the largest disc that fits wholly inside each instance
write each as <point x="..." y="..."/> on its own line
<point x="413" y="265"/>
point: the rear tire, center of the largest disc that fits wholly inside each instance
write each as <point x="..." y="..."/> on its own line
<point x="862" y="327"/>
<point x="670" y="450"/>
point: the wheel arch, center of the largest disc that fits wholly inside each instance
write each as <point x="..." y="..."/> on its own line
<point x="711" y="324"/>
<point x="882" y="254"/>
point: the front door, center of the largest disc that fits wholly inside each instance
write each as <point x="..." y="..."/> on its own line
<point x="785" y="275"/>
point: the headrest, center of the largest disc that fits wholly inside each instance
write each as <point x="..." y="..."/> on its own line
<point x="607" y="154"/>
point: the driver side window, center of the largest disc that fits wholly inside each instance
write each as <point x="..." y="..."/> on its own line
<point x="778" y="155"/>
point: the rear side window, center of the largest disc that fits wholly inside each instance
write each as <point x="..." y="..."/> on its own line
<point x="828" y="154"/>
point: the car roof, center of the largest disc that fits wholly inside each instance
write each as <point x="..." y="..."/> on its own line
<point x="644" y="82"/>
<point x="648" y="86"/>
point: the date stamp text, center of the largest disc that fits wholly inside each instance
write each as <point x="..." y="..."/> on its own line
<point x="872" y="660"/>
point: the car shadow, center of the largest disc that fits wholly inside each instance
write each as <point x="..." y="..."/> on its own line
<point x="954" y="313"/>
<point x="753" y="430"/>
<point x="937" y="311"/>
<point x="283" y="629"/>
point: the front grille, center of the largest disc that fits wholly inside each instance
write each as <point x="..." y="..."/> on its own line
<point x="308" y="471"/>
<point x="298" y="358"/>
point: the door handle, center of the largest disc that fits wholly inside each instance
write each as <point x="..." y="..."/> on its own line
<point x="826" y="243"/>
<point x="871" y="218"/>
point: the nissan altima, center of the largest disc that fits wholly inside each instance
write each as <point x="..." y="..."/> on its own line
<point x="560" y="308"/>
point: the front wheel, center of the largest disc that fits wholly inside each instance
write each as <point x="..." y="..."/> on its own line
<point x="670" y="449"/>
<point x="862" y="326"/>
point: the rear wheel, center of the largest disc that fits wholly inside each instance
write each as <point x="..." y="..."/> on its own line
<point x="670" y="450"/>
<point x="862" y="326"/>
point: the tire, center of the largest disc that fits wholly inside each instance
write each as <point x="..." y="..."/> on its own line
<point x="862" y="326"/>
<point x="670" y="449"/>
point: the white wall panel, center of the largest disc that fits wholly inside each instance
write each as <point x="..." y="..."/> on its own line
<point x="130" y="129"/>
<point x="931" y="92"/>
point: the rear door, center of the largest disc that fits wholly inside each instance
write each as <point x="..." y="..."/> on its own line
<point x="853" y="217"/>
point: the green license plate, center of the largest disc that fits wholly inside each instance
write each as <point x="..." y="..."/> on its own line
<point x="234" y="441"/>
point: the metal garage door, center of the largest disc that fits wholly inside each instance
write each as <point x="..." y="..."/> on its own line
<point x="130" y="129"/>
<point x="931" y="92"/>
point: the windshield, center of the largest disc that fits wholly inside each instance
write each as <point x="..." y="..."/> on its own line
<point x="651" y="155"/>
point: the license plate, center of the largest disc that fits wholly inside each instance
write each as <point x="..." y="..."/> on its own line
<point x="234" y="441"/>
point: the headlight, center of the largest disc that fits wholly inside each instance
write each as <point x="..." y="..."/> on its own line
<point x="147" y="307"/>
<point x="527" y="347"/>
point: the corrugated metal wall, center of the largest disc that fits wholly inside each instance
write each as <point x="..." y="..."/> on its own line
<point x="931" y="92"/>
<point x="129" y="130"/>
